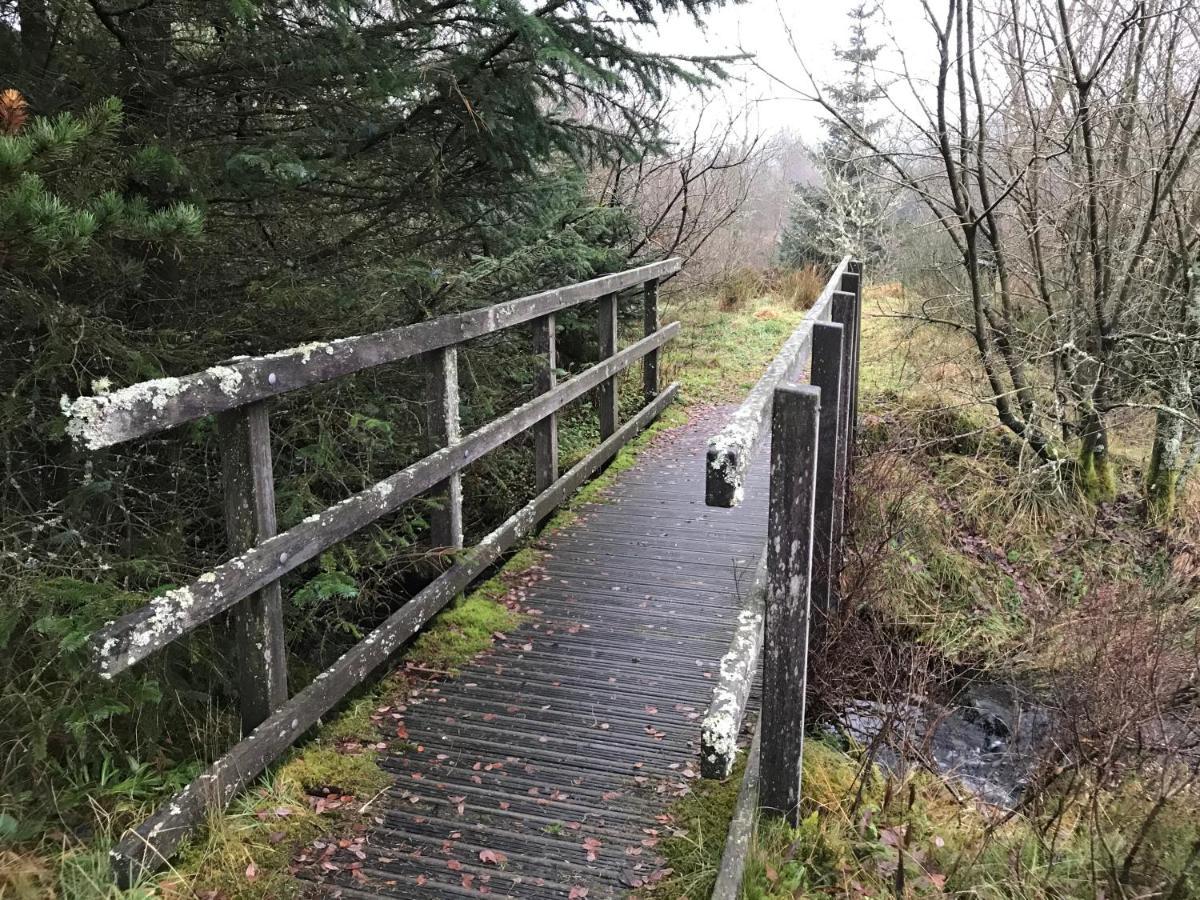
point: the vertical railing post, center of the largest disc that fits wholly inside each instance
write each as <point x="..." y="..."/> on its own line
<point x="443" y="430"/>
<point x="795" y="421"/>
<point x="852" y="284"/>
<point x="249" y="483"/>
<point x="843" y="313"/>
<point x="545" y="432"/>
<point x="607" y="391"/>
<point x="828" y="349"/>
<point x="650" y="361"/>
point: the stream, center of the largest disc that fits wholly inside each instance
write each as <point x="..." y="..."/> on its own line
<point x="986" y="737"/>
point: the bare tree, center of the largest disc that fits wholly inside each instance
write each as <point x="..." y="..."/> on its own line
<point x="1054" y="143"/>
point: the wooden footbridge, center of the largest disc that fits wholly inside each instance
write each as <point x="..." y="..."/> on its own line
<point x="547" y="768"/>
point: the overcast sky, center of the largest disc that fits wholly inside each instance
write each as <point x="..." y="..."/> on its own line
<point x="761" y="27"/>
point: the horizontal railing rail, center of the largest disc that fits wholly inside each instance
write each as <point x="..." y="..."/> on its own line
<point x="248" y="583"/>
<point x="153" y="406"/>
<point x="731" y="450"/>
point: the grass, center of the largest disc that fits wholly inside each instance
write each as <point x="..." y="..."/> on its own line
<point x="720" y="355"/>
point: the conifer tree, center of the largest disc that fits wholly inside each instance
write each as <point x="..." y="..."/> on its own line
<point x="847" y="210"/>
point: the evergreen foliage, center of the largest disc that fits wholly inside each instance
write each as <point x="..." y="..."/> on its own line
<point x="846" y="211"/>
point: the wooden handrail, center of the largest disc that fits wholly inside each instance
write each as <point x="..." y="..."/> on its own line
<point x="248" y="584"/>
<point x="136" y="635"/>
<point x="152" y="406"/>
<point x="731" y="450"/>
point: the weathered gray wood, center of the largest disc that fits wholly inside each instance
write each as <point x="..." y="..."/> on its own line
<point x="136" y="635"/>
<point x="741" y="829"/>
<point x="723" y="720"/>
<point x="795" y="422"/>
<point x="148" y="847"/>
<point x="732" y="449"/>
<point x="607" y="395"/>
<point x="441" y="405"/>
<point x="249" y="485"/>
<point x="842" y="313"/>
<point x="650" y="317"/>
<point x="852" y="283"/>
<point x="152" y="406"/>
<point x="545" y="432"/>
<point x="827" y="366"/>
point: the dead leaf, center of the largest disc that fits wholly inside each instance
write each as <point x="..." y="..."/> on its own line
<point x="578" y="892"/>
<point x="495" y="857"/>
<point x="251" y="872"/>
<point x="591" y="845"/>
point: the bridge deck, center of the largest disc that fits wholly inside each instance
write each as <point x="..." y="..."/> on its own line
<point x="559" y="750"/>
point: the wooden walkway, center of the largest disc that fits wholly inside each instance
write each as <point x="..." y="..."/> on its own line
<point x="546" y="768"/>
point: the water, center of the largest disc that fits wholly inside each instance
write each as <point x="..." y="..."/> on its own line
<point x="988" y="738"/>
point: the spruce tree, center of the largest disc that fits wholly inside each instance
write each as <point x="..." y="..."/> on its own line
<point x="846" y="211"/>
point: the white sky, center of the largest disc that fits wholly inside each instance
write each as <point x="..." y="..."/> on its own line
<point x="817" y="26"/>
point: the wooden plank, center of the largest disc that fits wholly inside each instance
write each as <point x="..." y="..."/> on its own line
<point x="723" y="720"/>
<point x="152" y="406"/>
<point x="444" y="430"/>
<point x="607" y="395"/>
<point x="249" y="485"/>
<point x="795" y="422"/>
<point x="732" y="449"/>
<point x="136" y="635"/>
<point x="148" y="846"/>
<point x="827" y="366"/>
<point x="650" y="325"/>
<point x="545" y="432"/>
<point x="741" y="829"/>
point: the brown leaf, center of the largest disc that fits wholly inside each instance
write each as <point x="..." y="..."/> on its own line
<point x="251" y="872"/>
<point x="495" y="857"/>
<point x="591" y="845"/>
<point x="578" y="892"/>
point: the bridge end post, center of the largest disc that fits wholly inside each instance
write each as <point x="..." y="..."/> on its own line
<point x="795" y="423"/>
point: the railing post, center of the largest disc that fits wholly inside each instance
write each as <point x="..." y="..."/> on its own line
<point x="249" y="483"/>
<point x="795" y="420"/>
<point x="445" y="523"/>
<point x="828" y="350"/>
<point x="843" y="313"/>
<point x="650" y="362"/>
<point x="852" y="284"/>
<point x="545" y="432"/>
<point x="607" y="392"/>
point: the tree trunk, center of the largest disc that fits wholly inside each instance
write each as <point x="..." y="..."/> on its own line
<point x="35" y="39"/>
<point x="1166" y="464"/>
<point x="1096" y="476"/>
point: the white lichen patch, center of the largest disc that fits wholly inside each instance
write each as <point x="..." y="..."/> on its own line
<point x="229" y="379"/>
